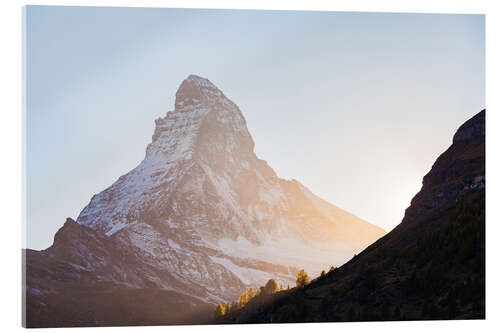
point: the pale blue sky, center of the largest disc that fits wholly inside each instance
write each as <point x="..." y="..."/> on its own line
<point x="356" y="106"/>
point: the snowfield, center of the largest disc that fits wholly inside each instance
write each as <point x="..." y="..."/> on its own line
<point x="202" y="207"/>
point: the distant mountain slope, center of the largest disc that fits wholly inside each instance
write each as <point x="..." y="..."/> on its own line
<point x="431" y="266"/>
<point x="201" y="216"/>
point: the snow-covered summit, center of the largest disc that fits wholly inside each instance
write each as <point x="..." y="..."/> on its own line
<point x="197" y="90"/>
<point x="203" y="207"/>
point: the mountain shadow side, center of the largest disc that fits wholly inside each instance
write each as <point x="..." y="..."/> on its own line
<point x="88" y="279"/>
<point x="431" y="266"/>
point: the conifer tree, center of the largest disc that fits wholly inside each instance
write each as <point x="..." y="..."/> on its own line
<point x="243" y="299"/>
<point x="270" y="287"/>
<point x="302" y="279"/>
<point x="251" y="293"/>
<point x="219" y="311"/>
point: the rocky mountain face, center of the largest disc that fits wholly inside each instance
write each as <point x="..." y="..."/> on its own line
<point x="431" y="266"/>
<point x="88" y="279"/>
<point x="201" y="216"/>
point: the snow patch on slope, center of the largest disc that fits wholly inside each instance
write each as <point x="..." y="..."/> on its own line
<point x="288" y="252"/>
<point x="251" y="277"/>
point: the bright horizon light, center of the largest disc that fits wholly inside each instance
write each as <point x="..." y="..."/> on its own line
<point x="356" y="106"/>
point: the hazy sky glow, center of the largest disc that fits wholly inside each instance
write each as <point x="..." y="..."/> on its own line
<point x="356" y="106"/>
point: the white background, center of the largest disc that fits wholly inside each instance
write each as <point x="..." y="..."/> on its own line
<point x="11" y="156"/>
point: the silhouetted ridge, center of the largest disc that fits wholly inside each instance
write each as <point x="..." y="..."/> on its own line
<point x="472" y="129"/>
<point x="431" y="266"/>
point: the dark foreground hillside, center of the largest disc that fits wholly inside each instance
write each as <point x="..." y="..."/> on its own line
<point x="113" y="305"/>
<point x="432" y="266"/>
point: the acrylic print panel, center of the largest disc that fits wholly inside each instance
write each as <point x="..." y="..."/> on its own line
<point x="189" y="166"/>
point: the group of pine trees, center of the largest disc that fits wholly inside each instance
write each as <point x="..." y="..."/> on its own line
<point x="269" y="288"/>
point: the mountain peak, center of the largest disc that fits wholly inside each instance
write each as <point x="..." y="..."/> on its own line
<point x="472" y="128"/>
<point x="196" y="89"/>
<point x="199" y="80"/>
